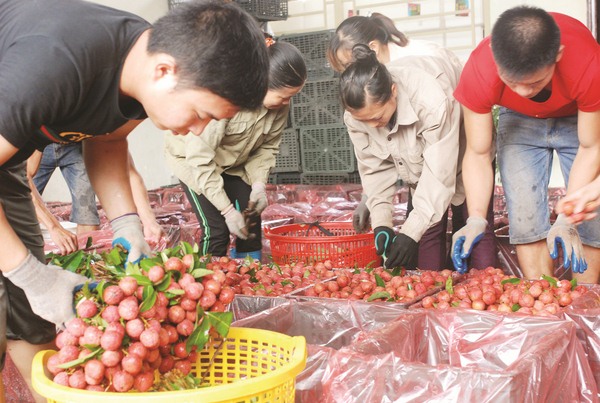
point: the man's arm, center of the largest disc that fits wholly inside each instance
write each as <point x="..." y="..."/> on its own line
<point x="65" y="240"/>
<point x="477" y="172"/>
<point x="152" y="230"/>
<point x="583" y="192"/>
<point x="107" y="163"/>
<point x="586" y="165"/>
<point x="478" y="178"/>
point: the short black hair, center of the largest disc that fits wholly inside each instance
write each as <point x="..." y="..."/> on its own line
<point x="524" y="40"/>
<point x="365" y="79"/>
<point x="217" y="46"/>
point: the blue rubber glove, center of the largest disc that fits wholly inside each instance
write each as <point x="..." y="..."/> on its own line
<point x="464" y="239"/>
<point x="565" y="235"/>
<point x="128" y="232"/>
<point x="383" y="239"/>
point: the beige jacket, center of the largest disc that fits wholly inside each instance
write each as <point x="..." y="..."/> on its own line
<point x="244" y="146"/>
<point x="424" y="148"/>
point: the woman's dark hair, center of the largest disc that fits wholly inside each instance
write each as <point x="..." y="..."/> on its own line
<point x="360" y="29"/>
<point x="364" y="79"/>
<point x="287" y="67"/>
<point x="525" y="39"/>
<point x="217" y="46"/>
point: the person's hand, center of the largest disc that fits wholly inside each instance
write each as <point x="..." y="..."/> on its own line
<point x="581" y="205"/>
<point x="259" y="197"/>
<point x="127" y="232"/>
<point x="402" y="252"/>
<point x="383" y="239"/>
<point x="235" y="222"/>
<point x="65" y="240"/>
<point x="360" y="217"/>
<point x="153" y="231"/>
<point x="565" y="235"/>
<point x="48" y="288"/>
<point x="464" y="239"/>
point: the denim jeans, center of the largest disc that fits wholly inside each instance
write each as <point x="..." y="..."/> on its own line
<point x="69" y="159"/>
<point x="525" y="148"/>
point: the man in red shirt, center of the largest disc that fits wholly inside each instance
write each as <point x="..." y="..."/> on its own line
<point x="543" y="70"/>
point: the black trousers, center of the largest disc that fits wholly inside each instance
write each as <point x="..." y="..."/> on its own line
<point x="17" y="320"/>
<point x="215" y="235"/>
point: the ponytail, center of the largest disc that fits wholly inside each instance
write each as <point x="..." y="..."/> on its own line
<point x="364" y="79"/>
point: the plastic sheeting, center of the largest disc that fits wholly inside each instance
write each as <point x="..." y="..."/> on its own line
<point x="585" y="313"/>
<point x="244" y="306"/>
<point x="361" y="352"/>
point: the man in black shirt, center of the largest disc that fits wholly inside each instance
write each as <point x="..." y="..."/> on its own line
<point x="72" y="71"/>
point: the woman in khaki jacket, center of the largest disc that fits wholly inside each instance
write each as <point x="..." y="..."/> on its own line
<point x="228" y="165"/>
<point x="405" y="124"/>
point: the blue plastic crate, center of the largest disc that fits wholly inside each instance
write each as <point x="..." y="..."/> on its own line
<point x="288" y="159"/>
<point x="326" y="149"/>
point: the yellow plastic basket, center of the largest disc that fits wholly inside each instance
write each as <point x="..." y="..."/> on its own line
<point x="252" y="365"/>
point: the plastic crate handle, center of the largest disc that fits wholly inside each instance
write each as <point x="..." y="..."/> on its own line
<point x="318" y="226"/>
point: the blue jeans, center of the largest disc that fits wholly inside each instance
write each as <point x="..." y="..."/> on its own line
<point x="524" y="147"/>
<point x="69" y="159"/>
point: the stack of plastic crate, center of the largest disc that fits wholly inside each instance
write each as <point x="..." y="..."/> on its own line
<point x="266" y="10"/>
<point x="287" y="168"/>
<point x="327" y="154"/>
<point x="262" y="10"/>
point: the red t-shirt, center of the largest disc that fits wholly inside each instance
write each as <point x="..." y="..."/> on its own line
<point x="575" y="83"/>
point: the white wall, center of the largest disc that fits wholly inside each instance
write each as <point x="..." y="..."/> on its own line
<point x="574" y="8"/>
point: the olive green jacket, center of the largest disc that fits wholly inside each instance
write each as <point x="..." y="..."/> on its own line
<point x="245" y="146"/>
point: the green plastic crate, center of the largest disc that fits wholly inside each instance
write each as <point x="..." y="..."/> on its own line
<point x="326" y="149"/>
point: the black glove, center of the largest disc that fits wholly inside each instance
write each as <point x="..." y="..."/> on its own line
<point x="402" y="252"/>
<point x="383" y="240"/>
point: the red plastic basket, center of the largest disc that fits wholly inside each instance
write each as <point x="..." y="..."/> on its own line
<point x="317" y="242"/>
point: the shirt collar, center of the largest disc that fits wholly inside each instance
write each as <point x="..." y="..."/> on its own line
<point x="405" y="114"/>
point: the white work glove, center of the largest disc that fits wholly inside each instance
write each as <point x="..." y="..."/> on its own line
<point x="259" y="197"/>
<point x="48" y="288"/>
<point x="565" y="235"/>
<point x="128" y="232"/>
<point x="235" y="222"/>
<point x="464" y="239"/>
<point x="360" y="217"/>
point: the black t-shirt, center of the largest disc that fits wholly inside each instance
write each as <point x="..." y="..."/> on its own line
<point x="60" y="66"/>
